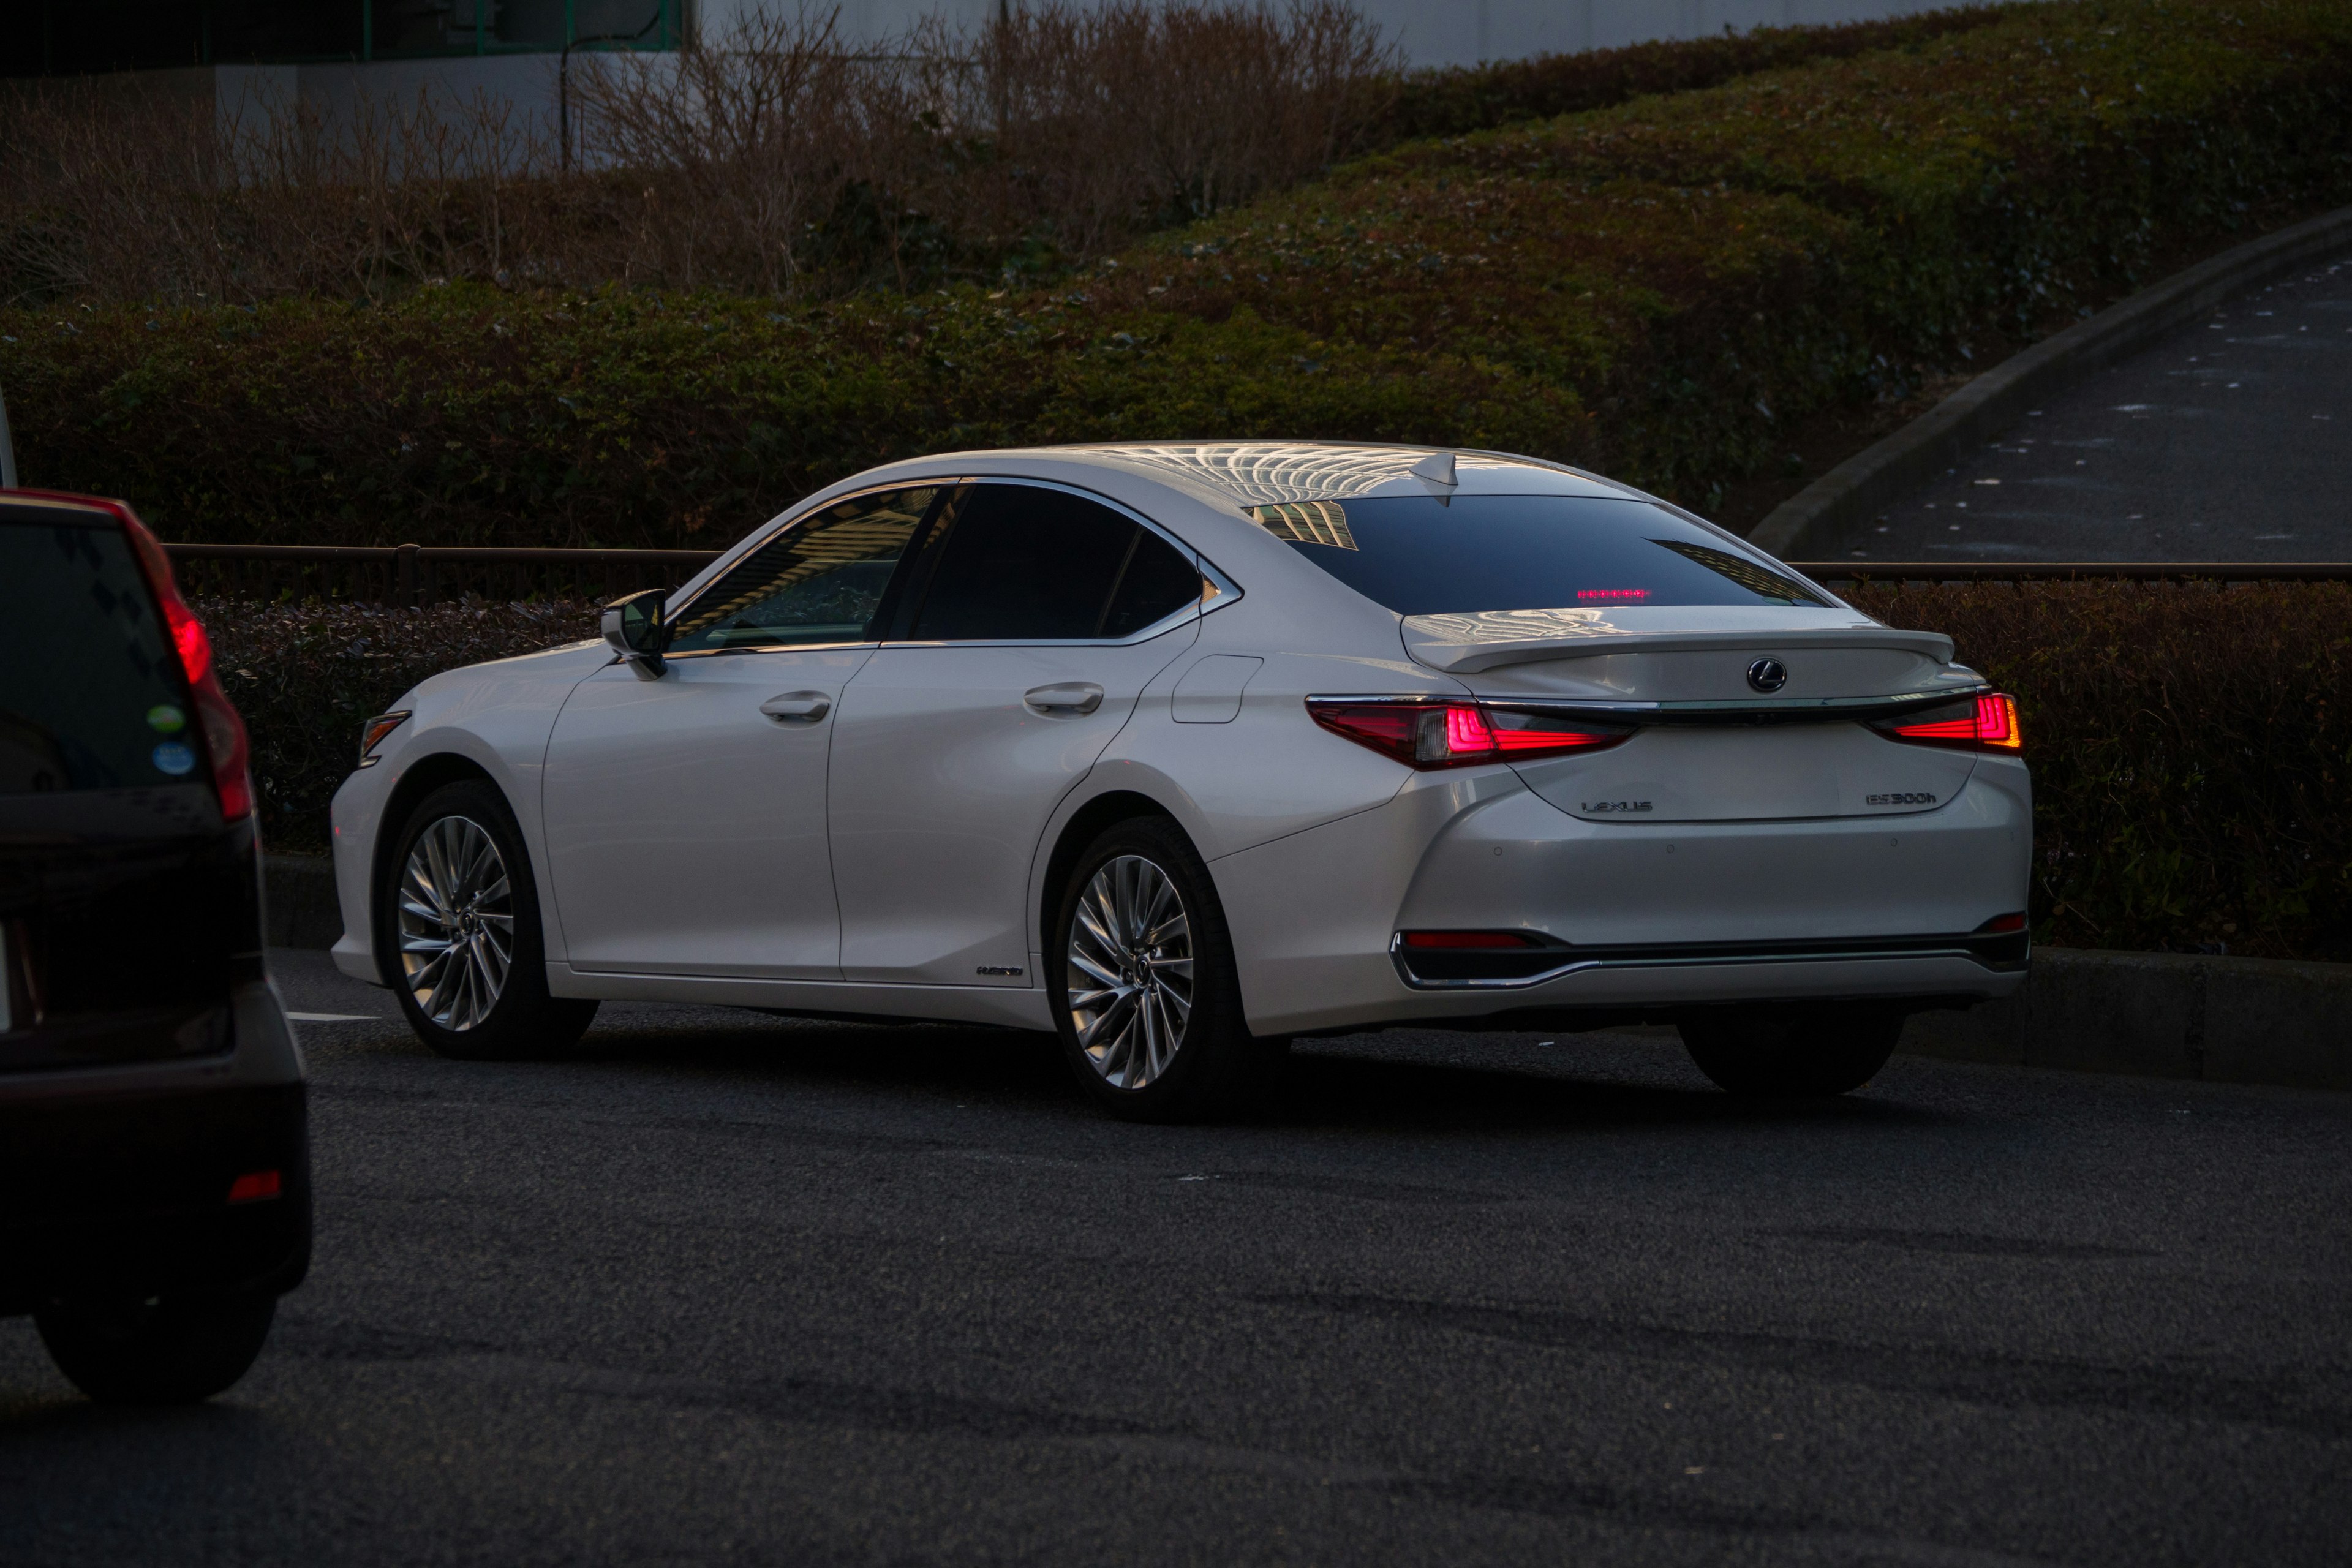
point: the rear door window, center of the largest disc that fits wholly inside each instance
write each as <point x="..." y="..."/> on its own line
<point x="820" y="581"/>
<point x="1424" y="555"/>
<point x="1025" y="563"/>
<point x="91" y="695"/>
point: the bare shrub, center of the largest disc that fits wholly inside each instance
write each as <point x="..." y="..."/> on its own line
<point x="771" y="160"/>
<point x="1095" y="124"/>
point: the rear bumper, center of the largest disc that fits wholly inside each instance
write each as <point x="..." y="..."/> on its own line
<point x="1648" y="920"/>
<point x="128" y="1195"/>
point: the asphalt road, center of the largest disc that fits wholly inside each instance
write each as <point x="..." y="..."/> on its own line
<point x="734" y="1289"/>
<point x="2229" y="440"/>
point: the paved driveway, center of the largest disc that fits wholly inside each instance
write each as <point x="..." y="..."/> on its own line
<point x="2230" y="440"/>
<point x="737" y="1290"/>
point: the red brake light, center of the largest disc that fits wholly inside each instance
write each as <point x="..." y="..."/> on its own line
<point x="1459" y="939"/>
<point x="1999" y="923"/>
<point x="255" y="1186"/>
<point x="1457" y="735"/>
<point x="225" y="743"/>
<point x="1982" y="723"/>
<point x="196" y="649"/>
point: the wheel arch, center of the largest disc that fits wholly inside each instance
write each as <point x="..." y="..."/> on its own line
<point x="1081" y="828"/>
<point x="419" y="779"/>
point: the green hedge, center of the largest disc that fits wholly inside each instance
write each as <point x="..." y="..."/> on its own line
<point x="2191" y="751"/>
<point x="1658" y="290"/>
<point x="2191" y="747"/>
<point x="1454" y="100"/>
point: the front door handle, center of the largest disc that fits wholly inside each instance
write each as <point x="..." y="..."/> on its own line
<point x="1066" y="697"/>
<point x="797" y="707"/>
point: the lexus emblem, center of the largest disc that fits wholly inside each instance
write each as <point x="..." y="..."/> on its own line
<point x="1767" y="675"/>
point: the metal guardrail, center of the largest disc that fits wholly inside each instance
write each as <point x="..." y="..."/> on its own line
<point x="2077" y="571"/>
<point x="419" y="574"/>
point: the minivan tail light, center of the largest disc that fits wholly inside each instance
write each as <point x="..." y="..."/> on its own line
<point x="226" y="746"/>
<point x="1435" y="734"/>
<point x="1984" y="723"/>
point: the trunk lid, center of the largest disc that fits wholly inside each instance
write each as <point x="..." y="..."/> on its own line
<point x="1743" y="714"/>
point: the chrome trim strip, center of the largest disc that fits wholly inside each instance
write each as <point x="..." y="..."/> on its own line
<point x="1697" y="960"/>
<point x="1224" y="590"/>
<point x="1573" y="707"/>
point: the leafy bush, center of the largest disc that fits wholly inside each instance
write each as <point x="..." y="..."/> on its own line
<point x="306" y="676"/>
<point x="2191" y="750"/>
<point x="1456" y="99"/>
<point x="1657" y="289"/>
<point x="2191" y="746"/>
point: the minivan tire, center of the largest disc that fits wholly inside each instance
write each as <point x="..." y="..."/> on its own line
<point x="170" y="1350"/>
<point x="524" y="1022"/>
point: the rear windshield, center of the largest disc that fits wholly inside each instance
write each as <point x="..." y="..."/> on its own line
<point x="91" y="694"/>
<point x="1423" y="556"/>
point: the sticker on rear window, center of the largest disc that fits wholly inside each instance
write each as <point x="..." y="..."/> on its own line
<point x="173" y="758"/>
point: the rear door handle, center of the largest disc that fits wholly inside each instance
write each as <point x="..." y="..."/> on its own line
<point x="797" y="707"/>
<point x="1067" y="697"/>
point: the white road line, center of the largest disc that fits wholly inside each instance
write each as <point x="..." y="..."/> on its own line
<point x="332" y="1017"/>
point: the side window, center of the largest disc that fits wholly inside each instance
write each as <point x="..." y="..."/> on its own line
<point x="820" y="581"/>
<point x="1024" y="564"/>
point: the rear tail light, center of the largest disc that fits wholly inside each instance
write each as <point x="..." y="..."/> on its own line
<point x="1999" y="923"/>
<point x="1985" y="724"/>
<point x="225" y="745"/>
<point x="256" y="1185"/>
<point x="1425" y="734"/>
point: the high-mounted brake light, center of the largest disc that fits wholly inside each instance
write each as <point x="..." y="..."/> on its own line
<point x="225" y="742"/>
<point x="1429" y="734"/>
<point x="1985" y="724"/>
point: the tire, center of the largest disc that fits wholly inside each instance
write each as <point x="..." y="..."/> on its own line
<point x="459" y="910"/>
<point x="1809" y="1052"/>
<point x="168" y="1351"/>
<point x="1139" y="905"/>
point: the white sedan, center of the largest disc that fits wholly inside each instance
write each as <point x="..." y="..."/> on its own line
<point x="1182" y="751"/>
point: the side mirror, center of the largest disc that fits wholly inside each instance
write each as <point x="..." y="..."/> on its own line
<point x="637" y="628"/>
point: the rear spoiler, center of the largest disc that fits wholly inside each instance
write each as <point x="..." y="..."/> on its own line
<point x="1463" y="644"/>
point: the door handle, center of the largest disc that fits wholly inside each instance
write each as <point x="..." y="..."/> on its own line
<point x="1067" y="697"/>
<point x="797" y="707"/>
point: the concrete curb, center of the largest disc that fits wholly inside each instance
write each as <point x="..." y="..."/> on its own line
<point x="2161" y="1015"/>
<point x="1815" y="523"/>
<point x="298" y="907"/>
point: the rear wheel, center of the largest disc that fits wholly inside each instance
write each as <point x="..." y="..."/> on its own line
<point x="462" y="913"/>
<point x="1794" y="1051"/>
<point x="165" y="1352"/>
<point x="1141" y="970"/>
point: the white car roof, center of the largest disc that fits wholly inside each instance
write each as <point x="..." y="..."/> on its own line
<point x="1265" y="473"/>
<point x="1222" y="480"/>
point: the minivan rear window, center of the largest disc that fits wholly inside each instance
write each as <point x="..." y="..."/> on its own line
<point x="90" y="691"/>
<point x="1430" y="555"/>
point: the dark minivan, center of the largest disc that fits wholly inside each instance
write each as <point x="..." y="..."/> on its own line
<point x="153" y="1145"/>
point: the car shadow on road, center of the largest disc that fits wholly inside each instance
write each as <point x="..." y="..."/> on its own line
<point x="1425" y="1083"/>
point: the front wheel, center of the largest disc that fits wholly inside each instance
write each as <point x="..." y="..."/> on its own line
<point x="165" y="1352"/>
<point x="1813" y="1052"/>
<point x="462" y="913"/>
<point x="1141" y="970"/>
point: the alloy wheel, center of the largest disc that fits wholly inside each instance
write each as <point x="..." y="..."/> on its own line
<point x="1129" y="987"/>
<point x="456" y="923"/>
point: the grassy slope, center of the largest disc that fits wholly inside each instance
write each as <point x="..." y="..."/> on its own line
<point x="1659" y="289"/>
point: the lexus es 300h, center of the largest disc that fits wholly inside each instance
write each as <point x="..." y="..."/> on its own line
<point x="1182" y="751"/>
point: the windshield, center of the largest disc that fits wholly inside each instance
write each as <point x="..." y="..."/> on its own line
<point x="1428" y="555"/>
